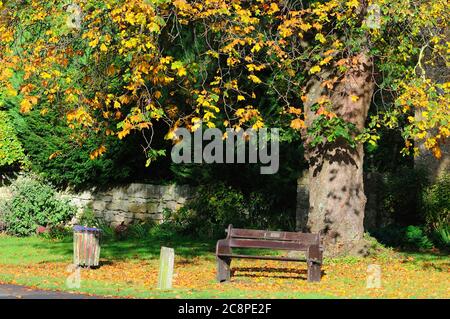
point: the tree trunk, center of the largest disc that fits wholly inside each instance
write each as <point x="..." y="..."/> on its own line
<point x="336" y="195"/>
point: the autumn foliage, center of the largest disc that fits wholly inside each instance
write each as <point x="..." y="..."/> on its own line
<point x="111" y="67"/>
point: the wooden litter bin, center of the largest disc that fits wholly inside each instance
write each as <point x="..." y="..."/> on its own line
<point x="86" y="246"/>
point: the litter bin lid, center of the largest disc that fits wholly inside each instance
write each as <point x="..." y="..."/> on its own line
<point x="79" y="228"/>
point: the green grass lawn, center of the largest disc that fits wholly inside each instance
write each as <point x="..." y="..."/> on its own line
<point x="129" y="268"/>
<point x="30" y="250"/>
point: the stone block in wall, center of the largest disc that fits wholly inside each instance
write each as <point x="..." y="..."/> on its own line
<point x="99" y="205"/>
<point x="168" y="192"/>
<point x="117" y="204"/>
<point x="104" y="198"/>
<point x="142" y="216"/>
<point x="157" y="217"/>
<point x="183" y="192"/>
<point x="118" y="193"/>
<point x="138" y="200"/>
<point x="172" y="205"/>
<point x="86" y="195"/>
<point x="154" y="191"/>
<point x="137" y="190"/>
<point x="137" y="208"/>
<point x="151" y="207"/>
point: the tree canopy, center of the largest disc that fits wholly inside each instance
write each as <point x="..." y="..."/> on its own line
<point x="110" y="67"/>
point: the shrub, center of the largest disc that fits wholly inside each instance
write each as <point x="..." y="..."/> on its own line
<point x="210" y="212"/>
<point x="62" y="161"/>
<point x="141" y="230"/>
<point x="88" y="218"/>
<point x="107" y="232"/>
<point x="441" y="236"/>
<point x="436" y="208"/>
<point x="58" y="232"/>
<point x="416" y="237"/>
<point x="11" y="151"/>
<point x="163" y="232"/>
<point x="401" y="195"/>
<point x="410" y="237"/>
<point x="33" y="204"/>
<point x="391" y="235"/>
<point x="216" y="206"/>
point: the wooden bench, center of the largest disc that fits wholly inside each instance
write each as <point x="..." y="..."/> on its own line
<point x="252" y="238"/>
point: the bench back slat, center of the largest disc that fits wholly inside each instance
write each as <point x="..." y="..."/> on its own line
<point x="279" y="236"/>
<point x="268" y="244"/>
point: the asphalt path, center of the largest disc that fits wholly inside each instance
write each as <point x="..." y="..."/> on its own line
<point x="20" y="292"/>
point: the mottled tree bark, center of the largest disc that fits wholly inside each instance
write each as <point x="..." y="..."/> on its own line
<point x="336" y="195"/>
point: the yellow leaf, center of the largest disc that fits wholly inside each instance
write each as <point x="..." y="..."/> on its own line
<point x="305" y="26"/>
<point x="256" y="48"/>
<point x="181" y="71"/>
<point x="354" y="98"/>
<point x="45" y="75"/>
<point x="241" y="98"/>
<point x="273" y="8"/>
<point x="437" y="152"/>
<point x="170" y="135"/>
<point x="326" y="60"/>
<point x="25" y="106"/>
<point x="297" y="124"/>
<point x="98" y="152"/>
<point x="103" y="48"/>
<point x="294" y="110"/>
<point x="320" y="38"/>
<point x="11" y="92"/>
<point x="258" y="125"/>
<point x="315" y="69"/>
<point x="352" y="3"/>
<point x="93" y="43"/>
<point x="254" y="79"/>
<point x="123" y="133"/>
<point x="54" y="155"/>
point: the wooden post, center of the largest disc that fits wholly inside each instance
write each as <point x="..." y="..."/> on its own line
<point x="166" y="261"/>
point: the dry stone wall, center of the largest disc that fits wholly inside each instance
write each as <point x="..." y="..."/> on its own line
<point x="131" y="203"/>
<point x="128" y="203"/>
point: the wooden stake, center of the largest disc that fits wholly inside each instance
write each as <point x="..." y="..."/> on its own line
<point x="166" y="261"/>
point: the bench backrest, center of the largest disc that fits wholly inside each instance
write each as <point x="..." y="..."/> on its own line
<point x="252" y="238"/>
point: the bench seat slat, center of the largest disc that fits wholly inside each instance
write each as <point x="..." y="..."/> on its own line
<point x="263" y="257"/>
<point x="268" y="244"/>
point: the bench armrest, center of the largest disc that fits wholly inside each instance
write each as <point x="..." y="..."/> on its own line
<point x="223" y="247"/>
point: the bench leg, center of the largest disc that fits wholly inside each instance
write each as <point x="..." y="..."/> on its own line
<point x="223" y="269"/>
<point x="314" y="260"/>
<point x="314" y="272"/>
